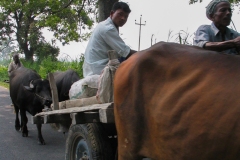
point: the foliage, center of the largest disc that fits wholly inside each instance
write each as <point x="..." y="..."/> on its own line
<point x="22" y="20"/>
<point x="6" y="47"/>
<point x="235" y="2"/>
<point x="3" y="76"/>
<point x="45" y="50"/>
<point x="5" y="85"/>
<point x="3" y="73"/>
<point x="182" y="37"/>
<point x="48" y="65"/>
<point x="44" y="67"/>
<point x="51" y="65"/>
<point x="5" y="61"/>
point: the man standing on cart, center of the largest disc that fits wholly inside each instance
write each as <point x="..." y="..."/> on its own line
<point x="106" y="37"/>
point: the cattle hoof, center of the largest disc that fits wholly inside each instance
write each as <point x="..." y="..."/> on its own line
<point x="41" y="142"/>
<point x="18" y="128"/>
<point x="25" y="134"/>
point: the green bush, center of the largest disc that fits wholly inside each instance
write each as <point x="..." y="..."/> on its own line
<point x="3" y="73"/>
<point x="46" y="66"/>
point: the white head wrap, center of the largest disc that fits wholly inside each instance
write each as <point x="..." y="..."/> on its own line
<point x="212" y="5"/>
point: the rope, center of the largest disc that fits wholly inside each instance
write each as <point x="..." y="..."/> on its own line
<point x="42" y="97"/>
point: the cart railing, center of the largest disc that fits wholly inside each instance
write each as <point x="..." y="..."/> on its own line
<point x="76" y="115"/>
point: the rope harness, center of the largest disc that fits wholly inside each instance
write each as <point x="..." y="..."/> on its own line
<point x="39" y="96"/>
<point x="42" y="97"/>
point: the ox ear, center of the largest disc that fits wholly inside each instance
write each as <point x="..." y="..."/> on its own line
<point x="28" y="88"/>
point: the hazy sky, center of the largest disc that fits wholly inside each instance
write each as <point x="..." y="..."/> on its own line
<point x="161" y="16"/>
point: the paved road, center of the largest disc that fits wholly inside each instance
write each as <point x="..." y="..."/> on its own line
<point x="15" y="147"/>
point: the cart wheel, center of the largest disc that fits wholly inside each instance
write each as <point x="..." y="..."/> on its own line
<point x="88" y="142"/>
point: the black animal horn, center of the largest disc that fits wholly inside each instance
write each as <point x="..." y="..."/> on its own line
<point x="31" y="84"/>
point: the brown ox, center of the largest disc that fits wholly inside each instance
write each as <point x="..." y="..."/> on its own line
<point x="176" y="102"/>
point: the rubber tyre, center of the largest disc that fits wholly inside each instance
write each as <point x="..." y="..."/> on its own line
<point x="89" y="142"/>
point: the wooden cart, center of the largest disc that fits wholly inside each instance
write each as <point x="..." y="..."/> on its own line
<point x="91" y="128"/>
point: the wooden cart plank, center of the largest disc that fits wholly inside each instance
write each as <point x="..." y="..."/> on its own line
<point x="85" y="117"/>
<point x="37" y="120"/>
<point x="106" y="115"/>
<point x="81" y="115"/>
<point x="89" y="114"/>
<point x="57" y="118"/>
<point x="77" y="109"/>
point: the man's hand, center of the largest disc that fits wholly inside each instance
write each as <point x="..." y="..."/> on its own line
<point x="237" y="41"/>
<point x="221" y="46"/>
<point x="131" y="53"/>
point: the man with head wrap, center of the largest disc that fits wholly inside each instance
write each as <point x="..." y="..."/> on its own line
<point x="15" y="64"/>
<point x="217" y="36"/>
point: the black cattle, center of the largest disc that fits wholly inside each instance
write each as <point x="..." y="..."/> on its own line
<point x="28" y="93"/>
<point x="64" y="81"/>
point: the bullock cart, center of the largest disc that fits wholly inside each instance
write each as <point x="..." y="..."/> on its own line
<point x="91" y="128"/>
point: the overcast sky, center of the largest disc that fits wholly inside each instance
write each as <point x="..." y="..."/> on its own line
<point x="161" y="16"/>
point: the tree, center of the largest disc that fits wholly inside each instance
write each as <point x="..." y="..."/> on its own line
<point x="105" y="7"/>
<point x="235" y="2"/>
<point x="43" y="48"/>
<point x="22" y="20"/>
<point x="6" y="47"/>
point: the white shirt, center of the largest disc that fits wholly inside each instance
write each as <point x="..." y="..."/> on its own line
<point x="105" y="37"/>
<point x="13" y="66"/>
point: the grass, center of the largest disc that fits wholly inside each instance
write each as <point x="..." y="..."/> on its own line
<point x="43" y="67"/>
<point x="5" y="85"/>
<point x="4" y="76"/>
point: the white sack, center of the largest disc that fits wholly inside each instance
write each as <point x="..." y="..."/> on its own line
<point x="86" y="87"/>
<point x="105" y="86"/>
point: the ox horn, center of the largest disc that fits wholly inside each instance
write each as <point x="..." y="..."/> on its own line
<point x="31" y="84"/>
